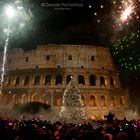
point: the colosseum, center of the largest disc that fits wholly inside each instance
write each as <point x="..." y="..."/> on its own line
<point x="42" y="75"/>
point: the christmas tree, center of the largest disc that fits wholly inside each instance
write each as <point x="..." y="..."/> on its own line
<point x="72" y="109"/>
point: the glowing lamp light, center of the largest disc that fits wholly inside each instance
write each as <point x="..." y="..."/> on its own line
<point x="93" y="117"/>
<point x="10" y="12"/>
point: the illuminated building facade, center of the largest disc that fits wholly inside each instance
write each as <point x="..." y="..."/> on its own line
<point x="42" y="74"/>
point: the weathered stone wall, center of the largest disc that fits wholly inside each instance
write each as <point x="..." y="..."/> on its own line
<point x="42" y="74"/>
<point x="59" y="56"/>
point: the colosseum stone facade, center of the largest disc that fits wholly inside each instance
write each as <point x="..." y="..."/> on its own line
<point x="42" y="75"/>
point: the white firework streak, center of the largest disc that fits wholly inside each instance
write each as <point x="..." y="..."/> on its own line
<point x="4" y="57"/>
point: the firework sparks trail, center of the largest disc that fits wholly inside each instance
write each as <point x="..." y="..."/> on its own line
<point x="129" y="8"/>
<point x="4" y="58"/>
<point x="125" y="12"/>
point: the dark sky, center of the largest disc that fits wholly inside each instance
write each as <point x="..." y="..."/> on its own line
<point x="65" y="24"/>
<point x="93" y="22"/>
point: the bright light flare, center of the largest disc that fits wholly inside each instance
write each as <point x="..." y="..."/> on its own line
<point x="128" y="10"/>
<point x="126" y="13"/>
<point x="10" y="12"/>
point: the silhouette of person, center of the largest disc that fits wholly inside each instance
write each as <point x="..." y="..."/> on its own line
<point x="109" y="117"/>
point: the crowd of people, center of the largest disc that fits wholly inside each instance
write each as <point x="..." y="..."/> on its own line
<point x="36" y="129"/>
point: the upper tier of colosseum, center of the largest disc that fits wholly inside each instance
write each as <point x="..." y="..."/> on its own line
<point x="60" y="56"/>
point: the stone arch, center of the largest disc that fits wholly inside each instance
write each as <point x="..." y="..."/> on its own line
<point x="9" y="98"/>
<point x="103" y="100"/>
<point x="1" y="98"/>
<point x="58" y="101"/>
<point x="45" y="99"/>
<point x="81" y="79"/>
<point x="122" y="101"/>
<point x="17" y="81"/>
<point x="102" y="81"/>
<point x="24" y="98"/>
<point x="34" y="97"/>
<point x="37" y="80"/>
<point x="58" y="79"/>
<point x="47" y="79"/>
<point x="111" y="81"/>
<point x="14" y="98"/>
<point x="7" y="81"/>
<point x="26" y="80"/>
<point x="113" y="101"/>
<point x="92" y="80"/>
<point x="68" y="78"/>
<point x="5" y="99"/>
<point x="92" y="100"/>
<point x="83" y="99"/>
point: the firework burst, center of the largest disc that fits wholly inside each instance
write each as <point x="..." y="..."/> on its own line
<point x="126" y="52"/>
<point x="14" y="14"/>
<point x="125" y="11"/>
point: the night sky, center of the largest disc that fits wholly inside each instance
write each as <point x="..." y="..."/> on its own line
<point x="50" y="21"/>
<point x="96" y="22"/>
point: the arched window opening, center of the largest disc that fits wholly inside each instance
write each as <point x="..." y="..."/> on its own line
<point x="92" y="101"/>
<point x="13" y="98"/>
<point x="46" y="99"/>
<point x="81" y="79"/>
<point x="92" y="58"/>
<point x="24" y="98"/>
<point x="17" y="81"/>
<point x="68" y="78"/>
<point x="47" y="80"/>
<point x="92" y="80"/>
<point x="111" y="81"/>
<point x="58" y="101"/>
<point x="34" y="98"/>
<point x="69" y="57"/>
<point x="8" y="82"/>
<point x="26" y="59"/>
<point x="37" y="80"/>
<point x="103" y="101"/>
<point x="58" y="80"/>
<point x="102" y="81"/>
<point x="113" y="102"/>
<point x="26" y="80"/>
<point x="47" y="57"/>
<point x="83" y="99"/>
<point x="122" y="102"/>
